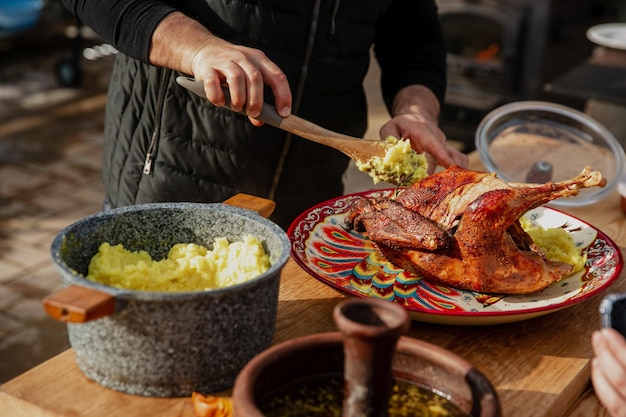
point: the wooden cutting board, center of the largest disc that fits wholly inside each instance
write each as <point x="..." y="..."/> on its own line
<point x="58" y="388"/>
<point x="540" y="367"/>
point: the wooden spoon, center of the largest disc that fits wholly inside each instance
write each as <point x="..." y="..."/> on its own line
<point x="357" y="149"/>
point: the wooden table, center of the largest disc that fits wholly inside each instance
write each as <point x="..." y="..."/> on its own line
<point x="540" y="367"/>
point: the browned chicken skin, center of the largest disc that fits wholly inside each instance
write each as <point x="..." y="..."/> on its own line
<point x="460" y="228"/>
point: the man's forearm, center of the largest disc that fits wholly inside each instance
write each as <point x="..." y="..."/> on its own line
<point x="416" y="99"/>
<point x="176" y="40"/>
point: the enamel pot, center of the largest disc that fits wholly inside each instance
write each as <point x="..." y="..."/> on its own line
<point x="165" y="344"/>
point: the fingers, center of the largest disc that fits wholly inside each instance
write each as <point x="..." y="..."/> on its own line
<point x="243" y="81"/>
<point x="608" y="370"/>
<point x="610" y="347"/>
<point x="245" y="71"/>
<point x="425" y="137"/>
<point x="256" y="122"/>
<point x="277" y="81"/>
<point x="458" y="157"/>
<point x="606" y="393"/>
<point x="213" y="90"/>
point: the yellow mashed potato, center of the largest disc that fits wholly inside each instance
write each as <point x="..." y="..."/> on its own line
<point x="401" y="165"/>
<point x="188" y="267"/>
<point x="556" y="243"/>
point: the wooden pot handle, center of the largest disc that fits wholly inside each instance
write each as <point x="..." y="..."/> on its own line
<point x="78" y="304"/>
<point x="262" y="206"/>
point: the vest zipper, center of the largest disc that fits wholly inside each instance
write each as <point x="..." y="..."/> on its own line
<point x="333" y="27"/>
<point x="154" y="140"/>
<point x="304" y="70"/>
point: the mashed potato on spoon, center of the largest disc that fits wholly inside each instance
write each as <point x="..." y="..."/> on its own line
<point x="400" y="165"/>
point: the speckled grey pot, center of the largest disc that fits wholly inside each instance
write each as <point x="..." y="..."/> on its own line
<point x="171" y="344"/>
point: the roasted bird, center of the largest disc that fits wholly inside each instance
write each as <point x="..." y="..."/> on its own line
<point x="461" y="228"/>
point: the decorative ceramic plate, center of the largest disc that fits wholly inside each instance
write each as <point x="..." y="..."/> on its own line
<point x="611" y="35"/>
<point x="347" y="261"/>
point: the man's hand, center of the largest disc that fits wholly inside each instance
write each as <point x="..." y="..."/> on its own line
<point x="608" y="370"/>
<point x="184" y="45"/>
<point x="415" y="111"/>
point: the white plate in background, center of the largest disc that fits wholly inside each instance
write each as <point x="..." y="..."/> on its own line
<point x="611" y="35"/>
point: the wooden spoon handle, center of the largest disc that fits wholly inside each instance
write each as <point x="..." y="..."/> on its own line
<point x="268" y="114"/>
<point x="78" y="304"/>
<point x="292" y="124"/>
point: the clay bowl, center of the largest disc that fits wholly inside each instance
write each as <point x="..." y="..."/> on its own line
<point x="418" y="362"/>
<point x="162" y="343"/>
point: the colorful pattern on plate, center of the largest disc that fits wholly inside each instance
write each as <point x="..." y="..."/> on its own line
<point x="348" y="262"/>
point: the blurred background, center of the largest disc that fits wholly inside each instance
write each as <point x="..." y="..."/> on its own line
<point x="54" y="75"/>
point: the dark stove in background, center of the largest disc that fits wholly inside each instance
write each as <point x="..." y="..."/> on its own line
<point x="501" y="51"/>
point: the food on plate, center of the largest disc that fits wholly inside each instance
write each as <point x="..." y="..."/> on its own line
<point x="188" y="267"/>
<point x="461" y="228"/>
<point x="400" y="165"/>
<point x="211" y="406"/>
<point x="557" y="244"/>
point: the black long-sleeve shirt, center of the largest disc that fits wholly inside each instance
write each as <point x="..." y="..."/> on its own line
<point x="408" y="43"/>
<point x="126" y="24"/>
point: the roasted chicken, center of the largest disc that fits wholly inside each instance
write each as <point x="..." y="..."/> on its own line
<point x="461" y="228"/>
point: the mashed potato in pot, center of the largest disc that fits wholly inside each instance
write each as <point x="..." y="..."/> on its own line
<point x="188" y="267"/>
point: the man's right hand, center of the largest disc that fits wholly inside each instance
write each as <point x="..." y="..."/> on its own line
<point x="183" y="44"/>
